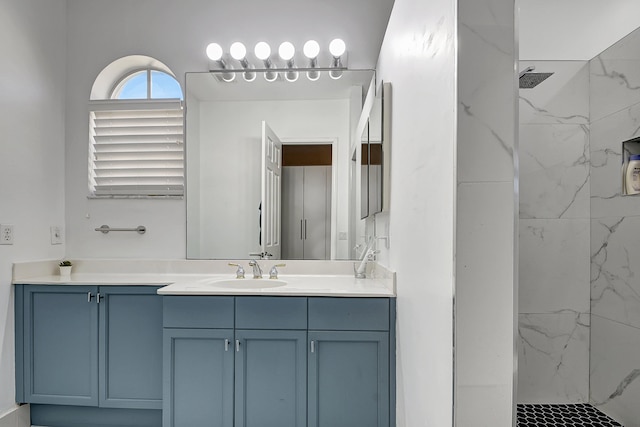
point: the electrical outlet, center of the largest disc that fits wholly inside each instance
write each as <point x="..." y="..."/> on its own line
<point x="6" y="234"/>
<point x="57" y="236"/>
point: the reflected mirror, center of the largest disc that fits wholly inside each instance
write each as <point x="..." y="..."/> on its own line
<point x="375" y="156"/>
<point x="269" y="165"/>
<point x="364" y="172"/>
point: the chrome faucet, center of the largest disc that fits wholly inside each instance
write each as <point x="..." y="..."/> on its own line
<point x="368" y="254"/>
<point x="257" y="271"/>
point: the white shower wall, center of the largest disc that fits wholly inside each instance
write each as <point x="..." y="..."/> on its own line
<point x="615" y="235"/>
<point x="553" y="359"/>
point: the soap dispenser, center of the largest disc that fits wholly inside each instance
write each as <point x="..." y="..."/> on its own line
<point x="632" y="175"/>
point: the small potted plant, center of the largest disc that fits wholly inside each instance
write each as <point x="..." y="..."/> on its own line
<point x="65" y="269"/>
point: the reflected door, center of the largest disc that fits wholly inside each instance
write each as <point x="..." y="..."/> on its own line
<point x="270" y="221"/>
<point x="306" y="212"/>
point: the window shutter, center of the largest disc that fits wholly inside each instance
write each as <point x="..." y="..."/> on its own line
<point x="136" y="149"/>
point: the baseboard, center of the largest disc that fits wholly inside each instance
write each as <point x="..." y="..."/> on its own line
<point x="88" y="416"/>
<point x="18" y="417"/>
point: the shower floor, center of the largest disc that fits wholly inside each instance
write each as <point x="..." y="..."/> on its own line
<point x="561" y="415"/>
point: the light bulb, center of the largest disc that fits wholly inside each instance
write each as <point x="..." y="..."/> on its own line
<point x="249" y="76"/>
<point x="311" y="49"/>
<point x="337" y="47"/>
<point x="313" y="75"/>
<point x="214" y="52"/>
<point x="286" y="51"/>
<point x="290" y="75"/>
<point x="262" y="51"/>
<point x="335" y="74"/>
<point x="270" y="76"/>
<point x="238" y="51"/>
<point x="228" y="77"/>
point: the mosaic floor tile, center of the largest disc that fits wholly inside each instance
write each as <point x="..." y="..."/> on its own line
<point x="556" y="415"/>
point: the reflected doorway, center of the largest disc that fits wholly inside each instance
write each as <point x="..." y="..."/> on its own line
<point x="306" y="201"/>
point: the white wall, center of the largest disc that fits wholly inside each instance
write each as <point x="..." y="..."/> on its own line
<point x="418" y="59"/>
<point x="230" y="166"/>
<point x="175" y="33"/>
<point x="573" y="29"/>
<point x="32" y="83"/>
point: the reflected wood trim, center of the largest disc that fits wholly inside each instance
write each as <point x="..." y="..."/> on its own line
<point x="306" y="155"/>
<point x="375" y="151"/>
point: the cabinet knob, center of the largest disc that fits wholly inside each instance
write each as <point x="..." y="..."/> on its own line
<point x="89" y="296"/>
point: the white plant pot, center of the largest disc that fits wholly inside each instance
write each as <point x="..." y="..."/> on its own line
<point x="65" y="271"/>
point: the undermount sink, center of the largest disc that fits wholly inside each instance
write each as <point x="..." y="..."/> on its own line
<point x="247" y="283"/>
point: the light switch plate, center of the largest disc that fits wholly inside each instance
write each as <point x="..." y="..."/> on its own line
<point x="57" y="237"/>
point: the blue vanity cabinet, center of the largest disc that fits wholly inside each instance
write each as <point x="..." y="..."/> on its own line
<point x="89" y="346"/>
<point x="130" y="363"/>
<point x="271" y="362"/>
<point x="349" y="379"/>
<point x="235" y="361"/>
<point x="350" y="362"/>
<point x="198" y="361"/>
<point x="60" y="345"/>
<point x="198" y="377"/>
<point x="270" y="378"/>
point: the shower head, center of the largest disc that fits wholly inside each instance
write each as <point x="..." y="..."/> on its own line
<point x="529" y="79"/>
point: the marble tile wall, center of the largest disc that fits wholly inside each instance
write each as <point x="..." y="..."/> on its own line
<point x="615" y="234"/>
<point x="554" y="233"/>
<point x="486" y="213"/>
<point x="615" y="370"/>
<point x="553" y="357"/>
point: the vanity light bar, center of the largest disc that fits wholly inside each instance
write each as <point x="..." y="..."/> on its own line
<point x="286" y="53"/>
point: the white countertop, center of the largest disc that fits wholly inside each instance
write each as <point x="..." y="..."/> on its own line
<point x="318" y="285"/>
<point x="178" y="282"/>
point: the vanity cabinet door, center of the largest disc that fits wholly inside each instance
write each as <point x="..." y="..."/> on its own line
<point x="198" y="378"/>
<point x="270" y="378"/>
<point x="131" y="347"/>
<point x="61" y="345"/>
<point x="348" y="379"/>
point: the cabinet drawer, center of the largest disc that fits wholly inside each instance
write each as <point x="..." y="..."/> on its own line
<point x="349" y="314"/>
<point x="198" y="312"/>
<point x="271" y="313"/>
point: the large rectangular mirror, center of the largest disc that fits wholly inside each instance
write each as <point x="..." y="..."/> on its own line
<point x="287" y="189"/>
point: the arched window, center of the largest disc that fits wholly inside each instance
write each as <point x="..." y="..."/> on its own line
<point x="147" y="84"/>
<point x="136" y="131"/>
